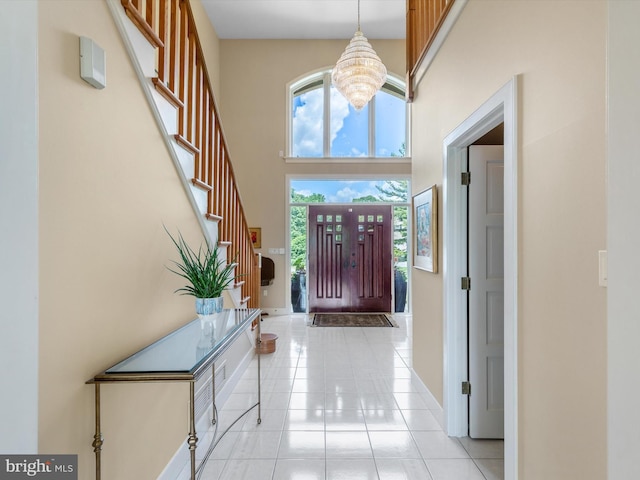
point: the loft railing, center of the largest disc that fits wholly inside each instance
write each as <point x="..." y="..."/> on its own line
<point x="183" y="80"/>
<point x="424" y="19"/>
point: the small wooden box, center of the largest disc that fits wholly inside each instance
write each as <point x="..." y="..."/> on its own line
<point x="268" y="343"/>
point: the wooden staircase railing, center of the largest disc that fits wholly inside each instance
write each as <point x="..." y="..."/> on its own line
<point x="183" y="80"/>
<point x="424" y="18"/>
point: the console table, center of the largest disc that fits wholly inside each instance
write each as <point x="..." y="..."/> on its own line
<point x="184" y="355"/>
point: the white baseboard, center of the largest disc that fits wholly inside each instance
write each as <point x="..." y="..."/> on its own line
<point x="278" y="311"/>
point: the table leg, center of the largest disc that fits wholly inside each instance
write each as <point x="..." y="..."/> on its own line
<point x="97" y="438"/>
<point x="214" y="416"/>
<point x="259" y="392"/>
<point x="192" y="441"/>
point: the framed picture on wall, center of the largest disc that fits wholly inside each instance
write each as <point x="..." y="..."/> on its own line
<point x="256" y="237"/>
<point x="425" y="223"/>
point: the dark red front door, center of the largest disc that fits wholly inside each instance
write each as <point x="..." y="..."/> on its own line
<point x="350" y="258"/>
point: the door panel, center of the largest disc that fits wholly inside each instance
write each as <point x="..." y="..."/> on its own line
<point x="486" y="297"/>
<point x="350" y="258"/>
<point x="326" y="254"/>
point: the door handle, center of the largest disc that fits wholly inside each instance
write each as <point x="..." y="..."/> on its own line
<point x="346" y="263"/>
<point x="353" y="265"/>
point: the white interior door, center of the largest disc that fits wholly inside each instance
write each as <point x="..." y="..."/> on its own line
<point x="486" y="296"/>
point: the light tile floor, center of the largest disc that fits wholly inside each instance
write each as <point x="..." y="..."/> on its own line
<point x="342" y="403"/>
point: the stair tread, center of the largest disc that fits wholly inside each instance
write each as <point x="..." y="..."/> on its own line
<point x="167" y="93"/>
<point x="201" y="184"/>
<point x="183" y="142"/>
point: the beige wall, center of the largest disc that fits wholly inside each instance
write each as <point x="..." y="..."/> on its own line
<point x="210" y="44"/>
<point x="107" y="185"/>
<point x="253" y="76"/>
<point x="558" y="49"/>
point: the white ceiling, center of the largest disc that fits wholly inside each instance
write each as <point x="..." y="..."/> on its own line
<point x="306" y="19"/>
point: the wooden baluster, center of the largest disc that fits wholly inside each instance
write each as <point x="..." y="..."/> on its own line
<point x="222" y="200"/>
<point x="206" y="135"/>
<point x="232" y="211"/>
<point x="223" y="183"/>
<point x="182" y="72"/>
<point x="174" y="59"/>
<point x="190" y="87"/>
<point x="195" y="71"/>
<point x="163" y="13"/>
<point x="227" y="196"/>
<point x="245" y="270"/>
<point x="236" y="217"/>
<point x="217" y="207"/>
<point x="149" y="16"/>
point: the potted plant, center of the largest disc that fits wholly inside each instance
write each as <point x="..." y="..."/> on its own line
<point x="207" y="275"/>
<point x="298" y="285"/>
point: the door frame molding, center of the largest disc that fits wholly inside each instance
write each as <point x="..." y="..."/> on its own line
<point x="500" y="108"/>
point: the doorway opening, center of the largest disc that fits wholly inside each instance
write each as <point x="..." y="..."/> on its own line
<point x="392" y="194"/>
<point x="349" y="258"/>
<point x="500" y="108"/>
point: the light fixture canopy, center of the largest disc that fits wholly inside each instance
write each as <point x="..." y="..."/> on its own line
<point x="359" y="72"/>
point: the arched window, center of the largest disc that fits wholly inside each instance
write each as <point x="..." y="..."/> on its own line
<point x="322" y="124"/>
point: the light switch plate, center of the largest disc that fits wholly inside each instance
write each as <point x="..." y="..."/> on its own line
<point x="602" y="268"/>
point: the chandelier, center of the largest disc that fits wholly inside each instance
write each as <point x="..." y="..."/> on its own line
<point x="359" y="72"/>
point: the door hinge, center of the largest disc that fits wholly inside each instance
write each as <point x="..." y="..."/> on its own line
<point x="466" y="178"/>
<point x="465" y="283"/>
<point x="466" y="388"/>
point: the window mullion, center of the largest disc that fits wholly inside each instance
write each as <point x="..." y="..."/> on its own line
<point x="326" y="116"/>
<point x="372" y="127"/>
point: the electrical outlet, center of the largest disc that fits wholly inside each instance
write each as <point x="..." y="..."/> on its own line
<point x="264" y="293"/>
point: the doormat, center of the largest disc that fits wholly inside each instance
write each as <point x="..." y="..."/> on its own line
<point x="352" y="320"/>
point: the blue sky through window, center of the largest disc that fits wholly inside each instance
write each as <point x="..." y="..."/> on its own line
<point x="351" y="135"/>
<point x="348" y="134"/>
<point x="337" y="191"/>
<point x="308" y="124"/>
<point x="390" y="124"/>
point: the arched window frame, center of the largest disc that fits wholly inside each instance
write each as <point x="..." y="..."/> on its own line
<point x="394" y="85"/>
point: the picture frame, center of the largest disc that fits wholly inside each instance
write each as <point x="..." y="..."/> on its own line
<point x="256" y="236"/>
<point x="425" y="228"/>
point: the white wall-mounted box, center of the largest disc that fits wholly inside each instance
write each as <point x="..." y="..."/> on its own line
<point x="93" y="63"/>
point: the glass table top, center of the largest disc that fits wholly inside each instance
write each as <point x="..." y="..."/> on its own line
<point x="185" y="349"/>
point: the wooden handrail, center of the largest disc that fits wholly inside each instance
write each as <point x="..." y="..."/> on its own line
<point x="183" y="79"/>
